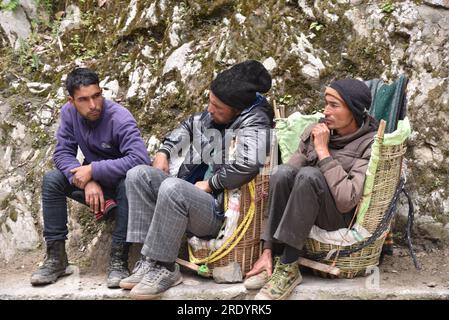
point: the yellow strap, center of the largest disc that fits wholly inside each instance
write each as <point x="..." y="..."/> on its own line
<point x="235" y="237"/>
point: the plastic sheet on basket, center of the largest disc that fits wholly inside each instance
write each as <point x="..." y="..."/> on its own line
<point x="340" y="237"/>
<point x="229" y="226"/>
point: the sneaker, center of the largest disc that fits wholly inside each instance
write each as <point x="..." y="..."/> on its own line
<point x="140" y="269"/>
<point x="257" y="281"/>
<point x="155" y="282"/>
<point x="109" y="205"/>
<point x="284" y="279"/>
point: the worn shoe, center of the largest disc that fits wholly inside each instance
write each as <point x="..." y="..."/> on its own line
<point x="155" y="282"/>
<point x="257" y="281"/>
<point x="140" y="269"/>
<point x="109" y="206"/>
<point x="54" y="266"/>
<point x="118" y="265"/>
<point x="284" y="279"/>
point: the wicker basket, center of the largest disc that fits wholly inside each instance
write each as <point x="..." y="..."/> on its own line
<point x="386" y="180"/>
<point x="249" y="248"/>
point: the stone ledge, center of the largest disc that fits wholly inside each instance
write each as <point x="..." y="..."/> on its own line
<point x="92" y="287"/>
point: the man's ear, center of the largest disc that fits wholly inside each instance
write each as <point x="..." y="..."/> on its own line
<point x="70" y="99"/>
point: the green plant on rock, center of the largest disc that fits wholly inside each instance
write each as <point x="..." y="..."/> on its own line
<point x="316" y="26"/>
<point x="46" y="4"/>
<point x="41" y="138"/>
<point x="285" y="100"/>
<point x="387" y="7"/>
<point x="27" y="57"/>
<point x="10" y="6"/>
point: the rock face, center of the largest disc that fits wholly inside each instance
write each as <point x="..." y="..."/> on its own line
<point x="15" y="23"/>
<point x="157" y="57"/>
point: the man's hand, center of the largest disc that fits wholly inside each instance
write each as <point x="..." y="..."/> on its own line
<point x="203" y="185"/>
<point x="321" y="135"/>
<point x="94" y="196"/>
<point x="264" y="263"/>
<point x="82" y="175"/>
<point x="161" y="162"/>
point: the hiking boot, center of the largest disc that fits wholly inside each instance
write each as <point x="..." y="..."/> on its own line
<point x="284" y="279"/>
<point x="54" y="266"/>
<point x="118" y="265"/>
<point x="109" y="206"/>
<point x="257" y="281"/>
<point x="156" y="281"/>
<point x="140" y="269"/>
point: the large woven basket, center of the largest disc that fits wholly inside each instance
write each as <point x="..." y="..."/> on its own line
<point x="249" y="248"/>
<point x="386" y="180"/>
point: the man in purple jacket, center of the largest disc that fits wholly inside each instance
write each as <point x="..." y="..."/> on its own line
<point x="110" y="141"/>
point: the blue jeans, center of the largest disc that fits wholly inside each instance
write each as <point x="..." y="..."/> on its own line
<point x="55" y="190"/>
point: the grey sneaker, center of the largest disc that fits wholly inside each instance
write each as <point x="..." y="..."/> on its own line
<point x="155" y="282"/>
<point x="140" y="269"/>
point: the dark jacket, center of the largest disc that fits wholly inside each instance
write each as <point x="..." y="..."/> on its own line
<point x="250" y="132"/>
<point x="345" y="169"/>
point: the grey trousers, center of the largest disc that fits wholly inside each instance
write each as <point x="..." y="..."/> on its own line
<point x="297" y="201"/>
<point x="162" y="209"/>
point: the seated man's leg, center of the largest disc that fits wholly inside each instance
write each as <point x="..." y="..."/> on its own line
<point x="180" y="207"/>
<point x="142" y="187"/>
<point x="281" y="185"/>
<point x="55" y="189"/>
<point x="310" y="201"/>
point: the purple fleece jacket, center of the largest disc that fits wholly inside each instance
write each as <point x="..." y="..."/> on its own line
<point x="112" y="144"/>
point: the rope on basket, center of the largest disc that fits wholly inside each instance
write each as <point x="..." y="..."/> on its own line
<point x="235" y="238"/>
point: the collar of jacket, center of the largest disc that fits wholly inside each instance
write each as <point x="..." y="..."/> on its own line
<point x="259" y="100"/>
<point x="369" y="125"/>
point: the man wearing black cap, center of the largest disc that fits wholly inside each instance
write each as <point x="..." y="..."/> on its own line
<point x="163" y="207"/>
<point x="321" y="185"/>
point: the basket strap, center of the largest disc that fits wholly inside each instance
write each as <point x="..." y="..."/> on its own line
<point x="235" y="238"/>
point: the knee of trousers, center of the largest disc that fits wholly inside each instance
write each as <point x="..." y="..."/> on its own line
<point x="282" y="174"/>
<point x="309" y="175"/>
<point x="171" y="188"/>
<point x="136" y="174"/>
<point x="53" y="180"/>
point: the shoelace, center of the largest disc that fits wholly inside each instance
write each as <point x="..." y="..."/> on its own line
<point x="143" y="266"/>
<point x="158" y="271"/>
<point x="280" y="274"/>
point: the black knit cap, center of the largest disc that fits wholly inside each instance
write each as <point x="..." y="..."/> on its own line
<point x="238" y="85"/>
<point x="357" y="96"/>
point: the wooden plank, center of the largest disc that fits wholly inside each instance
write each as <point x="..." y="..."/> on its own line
<point x="319" y="266"/>
<point x="187" y="264"/>
<point x="381" y="130"/>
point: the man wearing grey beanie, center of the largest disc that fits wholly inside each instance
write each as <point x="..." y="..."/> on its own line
<point x="164" y="204"/>
<point x="320" y="185"/>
